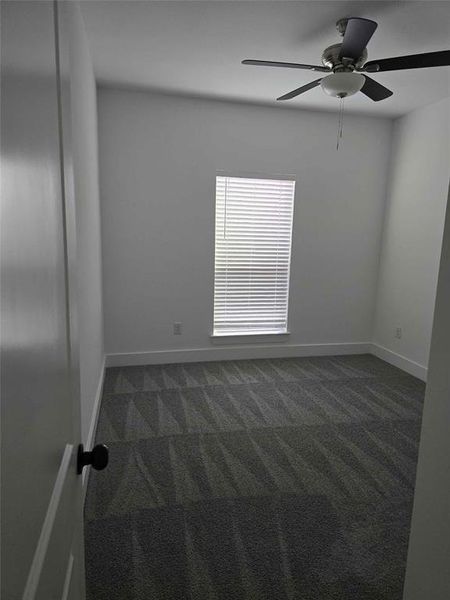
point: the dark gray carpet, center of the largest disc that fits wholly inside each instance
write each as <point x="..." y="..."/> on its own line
<point x="265" y="479"/>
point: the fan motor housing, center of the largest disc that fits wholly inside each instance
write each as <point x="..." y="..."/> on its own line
<point x="331" y="59"/>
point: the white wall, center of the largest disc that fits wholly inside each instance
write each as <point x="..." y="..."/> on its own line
<point x="427" y="573"/>
<point x="412" y="237"/>
<point x="87" y="206"/>
<point x="158" y="159"/>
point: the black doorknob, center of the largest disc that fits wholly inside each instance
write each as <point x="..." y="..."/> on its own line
<point x="97" y="457"/>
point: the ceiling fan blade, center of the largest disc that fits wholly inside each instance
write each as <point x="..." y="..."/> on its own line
<point x="288" y="65"/>
<point x="357" y="35"/>
<point x="374" y="90"/>
<point x="414" y="61"/>
<point x="300" y="90"/>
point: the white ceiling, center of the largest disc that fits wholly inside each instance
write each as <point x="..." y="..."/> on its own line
<point x="196" y="47"/>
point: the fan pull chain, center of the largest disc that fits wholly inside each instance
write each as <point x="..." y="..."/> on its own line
<point x="340" y="122"/>
<point x="225" y="210"/>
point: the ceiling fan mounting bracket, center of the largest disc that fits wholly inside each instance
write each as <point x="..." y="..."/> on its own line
<point x="332" y="60"/>
<point x="341" y="26"/>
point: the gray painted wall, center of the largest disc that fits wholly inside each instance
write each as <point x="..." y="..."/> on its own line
<point x="89" y="262"/>
<point x="158" y="159"/>
<point x="412" y="234"/>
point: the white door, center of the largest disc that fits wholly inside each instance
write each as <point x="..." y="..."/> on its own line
<point x="42" y="534"/>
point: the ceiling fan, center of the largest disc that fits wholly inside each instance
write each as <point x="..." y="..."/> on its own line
<point x="347" y="61"/>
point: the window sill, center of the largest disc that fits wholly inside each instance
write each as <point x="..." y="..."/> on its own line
<point x="249" y="337"/>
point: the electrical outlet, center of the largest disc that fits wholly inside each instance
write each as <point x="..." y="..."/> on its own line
<point x="177" y="329"/>
<point x="398" y="333"/>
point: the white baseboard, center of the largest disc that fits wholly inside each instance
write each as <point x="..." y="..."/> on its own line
<point x="93" y="425"/>
<point x="159" y="357"/>
<point x="400" y="361"/>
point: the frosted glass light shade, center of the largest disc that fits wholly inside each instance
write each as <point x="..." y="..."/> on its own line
<point x="342" y="85"/>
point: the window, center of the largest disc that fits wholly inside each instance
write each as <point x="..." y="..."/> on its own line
<point x="253" y="255"/>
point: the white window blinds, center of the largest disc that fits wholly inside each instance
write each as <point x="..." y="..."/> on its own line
<point x="253" y="255"/>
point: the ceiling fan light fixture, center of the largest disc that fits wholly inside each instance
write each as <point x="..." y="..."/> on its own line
<point x="342" y="85"/>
